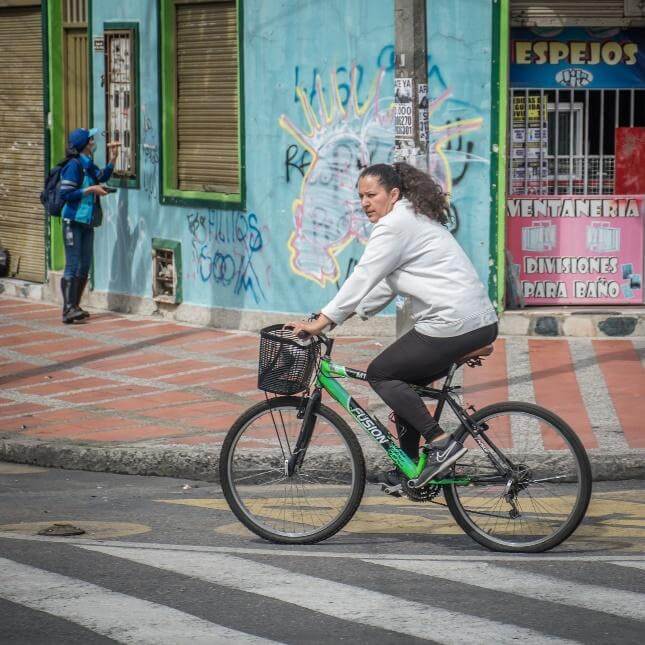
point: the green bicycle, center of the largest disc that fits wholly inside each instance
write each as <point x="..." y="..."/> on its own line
<point x="293" y="472"/>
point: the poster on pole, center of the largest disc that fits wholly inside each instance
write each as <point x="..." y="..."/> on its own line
<point x="422" y="90"/>
<point x="403" y="106"/>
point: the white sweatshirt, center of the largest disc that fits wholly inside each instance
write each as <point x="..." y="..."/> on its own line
<point x="411" y="255"/>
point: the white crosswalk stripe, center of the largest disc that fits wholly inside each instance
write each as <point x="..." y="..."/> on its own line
<point x="335" y="599"/>
<point x="632" y="564"/>
<point x="128" y="619"/>
<point x="123" y="618"/>
<point x="530" y="585"/>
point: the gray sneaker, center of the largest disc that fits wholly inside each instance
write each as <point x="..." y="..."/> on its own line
<point x="440" y="458"/>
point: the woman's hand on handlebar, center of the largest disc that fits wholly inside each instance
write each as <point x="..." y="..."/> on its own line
<point x="313" y="328"/>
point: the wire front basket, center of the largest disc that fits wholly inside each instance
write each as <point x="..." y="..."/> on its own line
<point x="286" y="361"/>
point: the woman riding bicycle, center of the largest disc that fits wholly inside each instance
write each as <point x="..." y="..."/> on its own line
<point x="411" y="253"/>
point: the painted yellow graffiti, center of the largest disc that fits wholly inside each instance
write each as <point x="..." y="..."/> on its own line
<point x="438" y="138"/>
<point x="342" y="140"/>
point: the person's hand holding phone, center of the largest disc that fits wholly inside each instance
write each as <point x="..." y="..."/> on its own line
<point x="97" y="190"/>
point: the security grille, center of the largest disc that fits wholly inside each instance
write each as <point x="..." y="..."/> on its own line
<point x="587" y="13"/>
<point x="22" y="231"/>
<point x="207" y="100"/>
<point x="563" y="141"/>
<point x="120" y="94"/>
<point x="74" y="13"/>
<point x="75" y="64"/>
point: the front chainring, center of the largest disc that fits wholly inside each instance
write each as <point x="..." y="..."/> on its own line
<point x="424" y="494"/>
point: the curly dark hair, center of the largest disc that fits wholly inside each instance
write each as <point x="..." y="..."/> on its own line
<point x="423" y="192"/>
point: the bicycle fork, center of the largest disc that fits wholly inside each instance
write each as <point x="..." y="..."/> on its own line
<point x="306" y="431"/>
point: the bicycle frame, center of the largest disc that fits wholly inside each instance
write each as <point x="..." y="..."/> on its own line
<point x="327" y="379"/>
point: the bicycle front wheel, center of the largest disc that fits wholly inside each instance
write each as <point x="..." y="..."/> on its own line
<point x="540" y="499"/>
<point x="308" y="505"/>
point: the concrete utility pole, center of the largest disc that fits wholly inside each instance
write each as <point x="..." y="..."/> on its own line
<point x="411" y="83"/>
<point x="410" y="103"/>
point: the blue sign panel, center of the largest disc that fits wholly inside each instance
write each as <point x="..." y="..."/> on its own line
<point x="577" y="57"/>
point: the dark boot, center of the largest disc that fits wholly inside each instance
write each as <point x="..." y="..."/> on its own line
<point x="69" y="288"/>
<point x="82" y="282"/>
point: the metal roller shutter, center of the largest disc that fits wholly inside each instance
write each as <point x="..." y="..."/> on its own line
<point x="545" y="13"/>
<point x="207" y="97"/>
<point x="76" y="81"/>
<point x="22" y="220"/>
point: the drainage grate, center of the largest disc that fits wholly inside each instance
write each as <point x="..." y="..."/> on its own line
<point x="61" y="529"/>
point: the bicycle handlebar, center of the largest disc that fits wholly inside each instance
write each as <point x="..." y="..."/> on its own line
<point x="324" y="339"/>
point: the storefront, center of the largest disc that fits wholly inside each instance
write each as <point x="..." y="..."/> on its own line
<point x="575" y="208"/>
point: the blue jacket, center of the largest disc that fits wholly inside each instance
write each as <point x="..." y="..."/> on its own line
<point x="79" y="173"/>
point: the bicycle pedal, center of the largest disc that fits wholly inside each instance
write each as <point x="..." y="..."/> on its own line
<point x="394" y="491"/>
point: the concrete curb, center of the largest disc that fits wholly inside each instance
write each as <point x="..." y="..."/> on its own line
<point x="201" y="464"/>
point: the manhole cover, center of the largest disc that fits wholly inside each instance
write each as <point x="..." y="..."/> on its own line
<point x="61" y="529"/>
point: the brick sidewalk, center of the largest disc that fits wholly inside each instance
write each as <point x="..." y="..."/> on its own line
<point x="130" y="381"/>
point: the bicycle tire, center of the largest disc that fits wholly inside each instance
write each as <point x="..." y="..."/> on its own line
<point x="260" y="525"/>
<point x="542" y="420"/>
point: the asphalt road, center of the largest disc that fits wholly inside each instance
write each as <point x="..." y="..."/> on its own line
<point x="164" y="561"/>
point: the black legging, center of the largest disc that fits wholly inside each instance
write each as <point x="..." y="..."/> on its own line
<point x="419" y="359"/>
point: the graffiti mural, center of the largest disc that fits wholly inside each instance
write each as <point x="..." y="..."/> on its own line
<point x="440" y="151"/>
<point x="150" y="159"/>
<point x="341" y="138"/>
<point x="225" y="247"/>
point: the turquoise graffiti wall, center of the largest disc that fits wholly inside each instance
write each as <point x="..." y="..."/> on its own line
<point x="318" y="83"/>
<point x="459" y="73"/>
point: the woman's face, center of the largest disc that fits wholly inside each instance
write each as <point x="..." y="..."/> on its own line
<point x="376" y="201"/>
<point x="89" y="148"/>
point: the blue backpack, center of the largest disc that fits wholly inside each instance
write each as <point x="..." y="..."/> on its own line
<point x="50" y="198"/>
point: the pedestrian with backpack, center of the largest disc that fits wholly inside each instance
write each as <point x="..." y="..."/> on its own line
<point x="80" y="191"/>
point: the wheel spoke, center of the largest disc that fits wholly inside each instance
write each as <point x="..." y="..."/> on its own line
<point x="307" y="503"/>
<point x="546" y="492"/>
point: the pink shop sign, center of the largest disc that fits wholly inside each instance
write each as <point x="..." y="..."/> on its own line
<point x="577" y="250"/>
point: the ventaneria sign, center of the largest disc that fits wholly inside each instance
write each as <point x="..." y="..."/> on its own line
<point x="577" y="250"/>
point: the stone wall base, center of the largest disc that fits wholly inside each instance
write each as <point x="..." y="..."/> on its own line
<point x="574" y="321"/>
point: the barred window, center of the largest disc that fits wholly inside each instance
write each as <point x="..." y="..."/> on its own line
<point x="120" y="99"/>
<point x="565" y="142"/>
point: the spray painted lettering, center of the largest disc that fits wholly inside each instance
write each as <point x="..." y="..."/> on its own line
<point x="341" y="139"/>
<point x="150" y="147"/>
<point x="225" y="246"/>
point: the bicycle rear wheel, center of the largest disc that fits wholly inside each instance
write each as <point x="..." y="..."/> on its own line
<point x="307" y="506"/>
<point x="537" y="503"/>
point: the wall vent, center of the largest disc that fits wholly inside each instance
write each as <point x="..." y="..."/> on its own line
<point x="166" y="271"/>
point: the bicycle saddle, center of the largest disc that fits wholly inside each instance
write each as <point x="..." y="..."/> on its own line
<point x="474" y="358"/>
